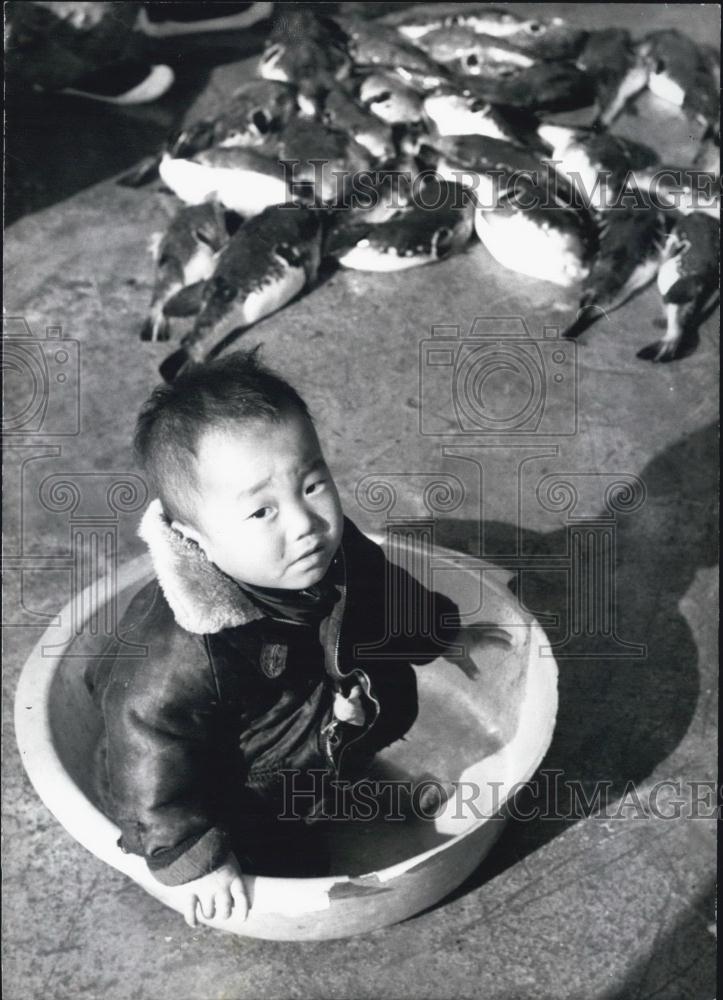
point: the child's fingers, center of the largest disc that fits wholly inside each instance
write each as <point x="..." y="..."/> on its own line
<point x="224" y="902"/>
<point x="241" y="903"/>
<point x="189" y="911"/>
<point x="208" y="906"/>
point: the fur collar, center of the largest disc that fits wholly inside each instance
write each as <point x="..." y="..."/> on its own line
<point x="201" y="597"/>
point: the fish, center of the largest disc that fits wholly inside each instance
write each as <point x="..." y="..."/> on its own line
<point x="306" y="161"/>
<point x="707" y="158"/>
<point x="318" y="160"/>
<point x="454" y="112"/>
<point x="546" y="38"/>
<point x="527" y="234"/>
<point x="385" y="96"/>
<point x="610" y="58"/>
<point x="488" y="166"/>
<point x="373" y="45"/>
<point x="378" y="195"/>
<point x="544" y="86"/>
<point x="598" y="164"/>
<point x="682" y="74"/>
<point x="683" y="189"/>
<point x="626" y="260"/>
<point x="687" y="278"/>
<point x="243" y="179"/>
<point x="307" y="51"/>
<point x="270" y="260"/>
<point x="471" y="54"/>
<point x="439" y="224"/>
<point x="256" y="109"/>
<point x="185" y="255"/>
<point x="342" y="112"/>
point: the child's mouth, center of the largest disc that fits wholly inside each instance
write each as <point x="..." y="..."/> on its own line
<point x="312" y="556"/>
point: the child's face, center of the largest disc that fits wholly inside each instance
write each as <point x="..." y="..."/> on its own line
<point x="268" y="512"/>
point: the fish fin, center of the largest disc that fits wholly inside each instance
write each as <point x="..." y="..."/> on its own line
<point x="173" y="364"/>
<point x="209" y="237"/>
<point x="586" y="316"/>
<point x="142" y="173"/>
<point x="664" y="351"/>
<point x="681" y="337"/>
<point x="233" y="221"/>
<point x="187" y="301"/>
<point x="658" y="351"/>
<point x="156" y="327"/>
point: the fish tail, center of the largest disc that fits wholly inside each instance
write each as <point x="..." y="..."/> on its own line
<point x="586" y="316"/>
<point x="142" y="173"/>
<point x="156" y="327"/>
<point x="668" y="348"/>
<point x="634" y="81"/>
<point x="174" y="364"/>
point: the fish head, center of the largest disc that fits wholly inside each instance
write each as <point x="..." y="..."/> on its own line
<point x="273" y="64"/>
<point x="544" y="86"/>
<point x="192" y="138"/>
<point x="603" y="47"/>
<point x="304" y="63"/>
<point x="449" y="44"/>
<point x="256" y="109"/>
<point x="321" y="154"/>
<point x="246" y="127"/>
<point x="268" y="261"/>
<point x="204" y="223"/>
<point x="343" y="113"/>
<point x="548" y="38"/>
<point x="525" y="233"/>
<point x="388" y="98"/>
<point x="558" y="137"/>
<point x="673" y="62"/>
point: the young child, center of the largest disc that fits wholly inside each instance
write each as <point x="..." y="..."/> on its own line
<point x="254" y="628"/>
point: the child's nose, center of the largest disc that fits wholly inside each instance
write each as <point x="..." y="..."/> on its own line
<point x="304" y="521"/>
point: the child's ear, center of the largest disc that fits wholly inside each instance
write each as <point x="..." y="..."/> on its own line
<point x="189" y="534"/>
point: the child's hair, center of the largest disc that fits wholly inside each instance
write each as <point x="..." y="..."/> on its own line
<point x="220" y="393"/>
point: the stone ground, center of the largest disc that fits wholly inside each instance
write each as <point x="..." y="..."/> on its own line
<point x="616" y="906"/>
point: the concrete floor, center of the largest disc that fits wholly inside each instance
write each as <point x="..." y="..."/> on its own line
<point x="594" y="908"/>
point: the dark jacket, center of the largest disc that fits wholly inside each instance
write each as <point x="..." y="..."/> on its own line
<point x="227" y="697"/>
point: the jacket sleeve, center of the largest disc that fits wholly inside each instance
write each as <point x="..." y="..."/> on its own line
<point x="402" y="619"/>
<point x="161" y="712"/>
<point x="426" y="623"/>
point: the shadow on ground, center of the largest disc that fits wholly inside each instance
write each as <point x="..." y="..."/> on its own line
<point x="618" y="718"/>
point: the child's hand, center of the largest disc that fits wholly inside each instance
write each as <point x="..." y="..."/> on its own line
<point x="217" y="894"/>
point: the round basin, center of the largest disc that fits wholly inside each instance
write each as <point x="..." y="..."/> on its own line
<point x="484" y="726"/>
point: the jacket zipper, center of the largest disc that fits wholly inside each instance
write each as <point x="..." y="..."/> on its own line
<point x="329" y="733"/>
<point x="330" y="736"/>
<point x="330" y="730"/>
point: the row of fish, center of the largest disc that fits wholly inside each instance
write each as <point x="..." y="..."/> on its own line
<point x="382" y="145"/>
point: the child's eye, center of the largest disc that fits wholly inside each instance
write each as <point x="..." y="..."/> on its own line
<point x="315" y="487"/>
<point x="261" y="513"/>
